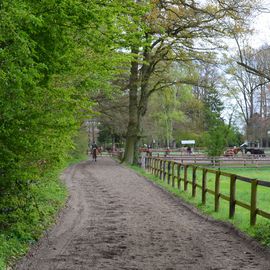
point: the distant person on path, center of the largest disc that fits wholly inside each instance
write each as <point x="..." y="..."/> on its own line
<point x="94" y="149"/>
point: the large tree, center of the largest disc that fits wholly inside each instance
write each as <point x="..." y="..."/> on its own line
<point x="174" y="31"/>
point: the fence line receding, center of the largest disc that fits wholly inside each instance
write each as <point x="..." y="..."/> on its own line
<point x="176" y="174"/>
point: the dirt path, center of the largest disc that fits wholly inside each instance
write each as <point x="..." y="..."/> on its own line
<point x="118" y="220"/>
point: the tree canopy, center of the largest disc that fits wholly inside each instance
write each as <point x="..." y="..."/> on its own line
<point x="54" y="55"/>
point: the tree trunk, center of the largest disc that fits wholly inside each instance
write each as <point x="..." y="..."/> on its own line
<point x="130" y="149"/>
<point x="133" y="124"/>
<point x="138" y="100"/>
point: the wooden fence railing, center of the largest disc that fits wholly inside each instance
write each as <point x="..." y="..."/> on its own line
<point x="251" y="161"/>
<point x="237" y="161"/>
<point x="176" y="173"/>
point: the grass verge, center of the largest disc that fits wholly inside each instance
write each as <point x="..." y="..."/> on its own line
<point x="261" y="231"/>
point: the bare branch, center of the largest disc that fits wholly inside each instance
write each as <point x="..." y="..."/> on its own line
<point x="253" y="70"/>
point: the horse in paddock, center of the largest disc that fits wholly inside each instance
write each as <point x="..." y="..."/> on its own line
<point x="232" y="152"/>
<point x="254" y="151"/>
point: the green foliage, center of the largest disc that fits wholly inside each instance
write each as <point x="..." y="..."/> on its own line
<point x="215" y="141"/>
<point x="164" y="112"/>
<point x="53" y="57"/>
<point x="80" y="149"/>
<point x="219" y="137"/>
<point x="38" y="118"/>
<point x="234" y="137"/>
<point x="22" y="226"/>
<point x="30" y="220"/>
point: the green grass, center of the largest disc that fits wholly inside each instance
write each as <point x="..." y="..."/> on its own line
<point x="243" y="189"/>
<point x="260" y="173"/>
<point x="241" y="220"/>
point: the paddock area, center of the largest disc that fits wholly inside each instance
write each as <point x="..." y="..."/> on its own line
<point x="199" y="157"/>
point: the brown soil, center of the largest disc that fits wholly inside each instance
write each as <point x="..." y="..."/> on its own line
<point x="116" y="220"/>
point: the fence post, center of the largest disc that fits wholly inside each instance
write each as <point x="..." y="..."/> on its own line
<point x="232" y="195"/>
<point x="173" y="168"/>
<point x="178" y="176"/>
<point x="145" y="163"/>
<point x="204" y="186"/>
<point x="156" y="167"/>
<point x="160" y="169"/>
<point x="253" y="202"/>
<point x="194" y="181"/>
<point x="164" y="170"/>
<point x="169" y="172"/>
<point x="217" y="191"/>
<point x="185" y="177"/>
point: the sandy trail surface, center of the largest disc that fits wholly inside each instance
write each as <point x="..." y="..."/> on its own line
<point x="116" y="220"/>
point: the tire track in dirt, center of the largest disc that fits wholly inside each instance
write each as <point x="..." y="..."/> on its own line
<point x="116" y="219"/>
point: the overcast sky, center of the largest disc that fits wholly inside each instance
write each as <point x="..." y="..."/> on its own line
<point x="262" y="28"/>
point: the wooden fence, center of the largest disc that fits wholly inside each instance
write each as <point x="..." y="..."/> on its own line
<point x="195" y="149"/>
<point x="170" y="171"/>
<point x="251" y="161"/>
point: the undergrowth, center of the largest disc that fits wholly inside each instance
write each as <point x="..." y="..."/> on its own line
<point x="31" y="221"/>
<point x="31" y="207"/>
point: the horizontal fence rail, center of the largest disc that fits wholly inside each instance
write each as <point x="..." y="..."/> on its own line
<point x="176" y="174"/>
<point x="195" y="149"/>
<point x="249" y="161"/>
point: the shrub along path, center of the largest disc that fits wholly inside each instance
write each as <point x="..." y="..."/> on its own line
<point x="116" y="220"/>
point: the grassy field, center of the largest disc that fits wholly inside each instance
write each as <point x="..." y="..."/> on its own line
<point x="260" y="173"/>
<point x="241" y="220"/>
<point x="243" y="189"/>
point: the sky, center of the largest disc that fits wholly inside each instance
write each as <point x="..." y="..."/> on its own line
<point x="261" y="25"/>
<point x="261" y="36"/>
